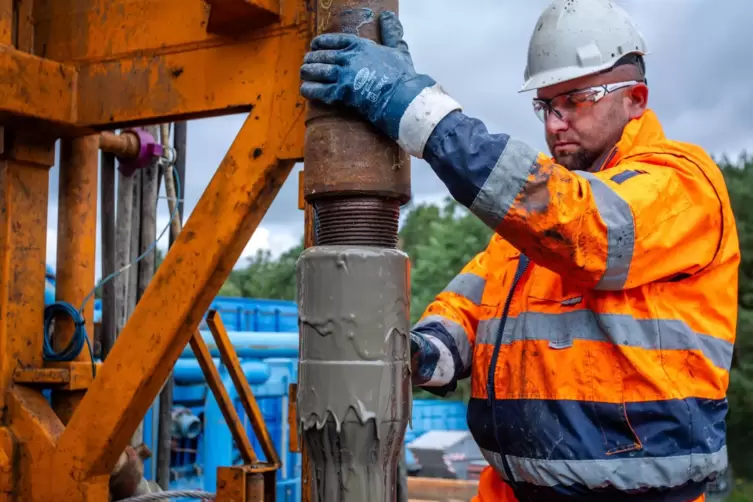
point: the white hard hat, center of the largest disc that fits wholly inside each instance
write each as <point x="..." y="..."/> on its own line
<point x="574" y="38"/>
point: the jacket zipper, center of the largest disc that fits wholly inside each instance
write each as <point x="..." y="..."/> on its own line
<point x="491" y="394"/>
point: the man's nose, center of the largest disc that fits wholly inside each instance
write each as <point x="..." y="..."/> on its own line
<point x="554" y="124"/>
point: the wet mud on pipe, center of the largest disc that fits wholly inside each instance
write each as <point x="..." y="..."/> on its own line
<point x="354" y="396"/>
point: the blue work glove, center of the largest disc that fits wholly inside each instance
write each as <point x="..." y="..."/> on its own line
<point x="423" y="358"/>
<point x="379" y="81"/>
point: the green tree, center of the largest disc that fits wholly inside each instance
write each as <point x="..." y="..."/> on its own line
<point x="739" y="178"/>
<point x="265" y="277"/>
<point x="440" y="242"/>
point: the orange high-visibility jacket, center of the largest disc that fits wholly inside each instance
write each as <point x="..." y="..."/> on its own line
<point x="598" y="325"/>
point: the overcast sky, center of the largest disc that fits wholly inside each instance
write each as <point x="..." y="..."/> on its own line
<point x="699" y="74"/>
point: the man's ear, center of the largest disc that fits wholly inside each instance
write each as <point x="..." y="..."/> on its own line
<point x="637" y="98"/>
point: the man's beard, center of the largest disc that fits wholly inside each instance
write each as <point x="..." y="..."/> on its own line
<point x="582" y="160"/>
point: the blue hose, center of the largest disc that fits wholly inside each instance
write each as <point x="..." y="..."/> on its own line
<point x="79" y="335"/>
<point x="70" y="352"/>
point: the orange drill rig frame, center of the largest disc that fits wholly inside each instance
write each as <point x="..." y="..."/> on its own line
<point x="75" y="70"/>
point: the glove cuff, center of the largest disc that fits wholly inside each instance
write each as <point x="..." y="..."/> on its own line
<point x="414" y="110"/>
<point x="423" y="114"/>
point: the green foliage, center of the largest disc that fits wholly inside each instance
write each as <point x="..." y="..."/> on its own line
<point x="743" y="492"/>
<point x="265" y="277"/>
<point x="739" y="178"/>
<point x="439" y="241"/>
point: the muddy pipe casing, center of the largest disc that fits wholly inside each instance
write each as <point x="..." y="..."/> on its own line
<point x="354" y="391"/>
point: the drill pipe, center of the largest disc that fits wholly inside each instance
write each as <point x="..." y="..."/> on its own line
<point x="354" y="393"/>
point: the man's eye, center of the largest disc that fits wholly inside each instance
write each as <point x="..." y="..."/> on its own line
<point x="583" y="97"/>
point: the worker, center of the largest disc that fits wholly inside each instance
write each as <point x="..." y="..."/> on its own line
<point x="597" y="326"/>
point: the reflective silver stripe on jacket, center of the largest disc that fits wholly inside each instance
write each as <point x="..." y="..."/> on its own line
<point x="505" y="182"/>
<point x="470" y="286"/>
<point x="560" y="330"/>
<point x="616" y="214"/>
<point x="622" y="473"/>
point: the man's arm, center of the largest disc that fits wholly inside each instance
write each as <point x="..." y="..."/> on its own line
<point x="442" y="340"/>
<point x="599" y="232"/>
<point x="660" y="219"/>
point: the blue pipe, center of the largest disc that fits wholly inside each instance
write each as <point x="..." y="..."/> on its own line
<point x="185" y="424"/>
<point x="188" y="371"/>
<point x="253" y="344"/>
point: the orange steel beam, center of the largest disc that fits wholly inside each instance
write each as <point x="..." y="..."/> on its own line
<point x="233" y="16"/>
<point x="6" y="21"/>
<point x="233" y="364"/>
<point x="25" y="160"/>
<point x="176" y="73"/>
<point x="35" y="88"/>
<point x="118" y="50"/>
<point x="214" y="381"/>
<point x="76" y="249"/>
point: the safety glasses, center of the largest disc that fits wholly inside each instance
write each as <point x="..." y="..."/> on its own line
<point x="566" y="104"/>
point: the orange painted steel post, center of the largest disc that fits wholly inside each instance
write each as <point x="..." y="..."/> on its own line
<point x="76" y="250"/>
<point x="81" y="86"/>
<point x="6" y="21"/>
<point x="25" y="161"/>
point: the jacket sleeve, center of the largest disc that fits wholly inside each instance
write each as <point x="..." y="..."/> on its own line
<point x="653" y="219"/>
<point x="446" y="332"/>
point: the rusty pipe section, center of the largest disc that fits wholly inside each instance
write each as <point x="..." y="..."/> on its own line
<point x="354" y="393"/>
<point x="134" y="148"/>
<point x="125" y="145"/>
<point x="352" y="170"/>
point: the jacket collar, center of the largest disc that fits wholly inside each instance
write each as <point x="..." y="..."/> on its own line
<point x="639" y="132"/>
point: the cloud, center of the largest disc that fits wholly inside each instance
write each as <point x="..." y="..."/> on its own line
<point x="699" y="86"/>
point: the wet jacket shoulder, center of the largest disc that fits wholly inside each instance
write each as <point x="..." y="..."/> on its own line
<point x="608" y="230"/>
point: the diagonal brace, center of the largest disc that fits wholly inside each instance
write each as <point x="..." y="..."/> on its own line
<point x="214" y="381"/>
<point x="230" y="360"/>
